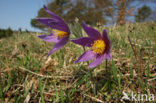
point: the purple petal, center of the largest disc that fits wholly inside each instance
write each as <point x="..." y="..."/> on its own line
<point x="52" y="14"/>
<point x="58" y="45"/>
<point x="108" y="56"/>
<point x="57" y="18"/>
<point x="53" y="24"/>
<point x="49" y="38"/>
<point x="91" y="32"/>
<point x="84" y="41"/>
<point x="105" y="36"/>
<point x="88" y="55"/>
<point x="107" y="41"/>
<point x="97" y="61"/>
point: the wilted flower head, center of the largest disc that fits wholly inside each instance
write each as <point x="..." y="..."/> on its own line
<point x="99" y="46"/>
<point x="60" y="31"/>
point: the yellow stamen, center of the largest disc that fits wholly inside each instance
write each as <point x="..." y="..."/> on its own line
<point x="59" y="34"/>
<point x="98" y="46"/>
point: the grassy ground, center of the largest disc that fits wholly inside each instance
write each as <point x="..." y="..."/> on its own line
<point x="27" y="76"/>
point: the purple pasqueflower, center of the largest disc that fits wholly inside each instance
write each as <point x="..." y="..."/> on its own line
<point x="99" y="46"/>
<point x="60" y="31"/>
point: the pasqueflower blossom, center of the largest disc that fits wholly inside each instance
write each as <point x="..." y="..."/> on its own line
<point x="99" y="46"/>
<point x="60" y="31"/>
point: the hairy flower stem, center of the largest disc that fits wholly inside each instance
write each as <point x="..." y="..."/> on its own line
<point x="106" y="66"/>
<point x="135" y="55"/>
<point x="92" y="79"/>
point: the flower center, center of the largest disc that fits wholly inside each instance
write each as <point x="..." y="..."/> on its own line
<point x="59" y="34"/>
<point x="98" y="46"/>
